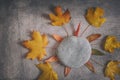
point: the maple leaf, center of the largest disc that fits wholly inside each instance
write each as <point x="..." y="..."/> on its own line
<point x="111" y="43"/>
<point x="59" y="18"/>
<point x="47" y="72"/>
<point x="94" y="16"/>
<point x="36" y="45"/>
<point x="112" y="68"/>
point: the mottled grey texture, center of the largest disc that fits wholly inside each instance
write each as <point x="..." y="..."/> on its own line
<point x="19" y="17"/>
<point x="74" y="51"/>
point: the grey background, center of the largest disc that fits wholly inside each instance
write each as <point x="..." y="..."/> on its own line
<point x="19" y="17"/>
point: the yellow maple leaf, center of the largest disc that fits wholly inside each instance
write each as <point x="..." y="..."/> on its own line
<point x="94" y="16"/>
<point x="111" y="43"/>
<point x="36" y="45"/>
<point x="112" y="68"/>
<point x="59" y="18"/>
<point x="47" y="72"/>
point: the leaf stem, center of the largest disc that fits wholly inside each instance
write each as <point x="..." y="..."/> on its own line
<point x="97" y="62"/>
<point x="85" y="30"/>
<point x="66" y="31"/>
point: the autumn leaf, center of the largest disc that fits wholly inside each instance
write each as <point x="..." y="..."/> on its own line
<point x="67" y="71"/>
<point x="47" y="72"/>
<point x="36" y="46"/>
<point x="52" y="59"/>
<point x="90" y="66"/>
<point x="57" y="37"/>
<point x="76" y="33"/>
<point x="111" y="43"/>
<point x="59" y="18"/>
<point x="94" y="16"/>
<point x="112" y="69"/>
<point x="93" y="37"/>
<point x="97" y="52"/>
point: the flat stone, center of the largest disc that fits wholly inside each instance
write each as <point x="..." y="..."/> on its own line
<point x="74" y="51"/>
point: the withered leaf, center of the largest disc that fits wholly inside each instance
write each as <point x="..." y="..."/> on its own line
<point x="93" y="37"/>
<point x="97" y="52"/>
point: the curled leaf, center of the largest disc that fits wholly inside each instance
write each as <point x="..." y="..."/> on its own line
<point x="52" y="59"/>
<point x="77" y="31"/>
<point x="36" y="45"/>
<point x="90" y="66"/>
<point x="94" y="16"/>
<point x="97" y="52"/>
<point x="111" y="43"/>
<point x="93" y="37"/>
<point x="47" y="72"/>
<point x="60" y="18"/>
<point x="67" y="71"/>
<point x="112" y="69"/>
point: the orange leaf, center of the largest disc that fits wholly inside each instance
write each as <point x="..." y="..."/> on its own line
<point x="90" y="66"/>
<point x="36" y="45"/>
<point x="93" y="37"/>
<point x="59" y="18"/>
<point x="57" y="37"/>
<point x="52" y="59"/>
<point x="67" y="71"/>
<point x="77" y="31"/>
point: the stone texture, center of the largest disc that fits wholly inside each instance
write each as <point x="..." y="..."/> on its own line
<point x="74" y="51"/>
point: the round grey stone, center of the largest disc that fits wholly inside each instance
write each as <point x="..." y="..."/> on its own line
<point x="74" y="51"/>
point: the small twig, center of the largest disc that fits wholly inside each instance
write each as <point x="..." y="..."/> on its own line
<point x="85" y="30"/>
<point x="66" y="31"/>
<point x="97" y="62"/>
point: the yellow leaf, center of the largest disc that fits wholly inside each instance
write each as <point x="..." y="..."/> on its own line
<point x="111" y="43"/>
<point x="36" y="46"/>
<point x="59" y="18"/>
<point x="94" y="16"/>
<point x="112" y="68"/>
<point x="47" y="72"/>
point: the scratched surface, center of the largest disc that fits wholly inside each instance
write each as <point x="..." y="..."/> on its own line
<point x="19" y="18"/>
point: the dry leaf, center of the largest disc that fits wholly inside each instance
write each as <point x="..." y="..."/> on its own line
<point x="47" y="72"/>
<point x="97" y="52"/>
<point x="95" y="16"/>
<point x="36" y="46"/>
<point x="90" y="66"/>
<point x="77" y="31"/>
<point x="67" y="71"/>
<point x="59" y="18"/>
<point x="52" y="59"/>
<point x="112" y="68"/>
<point x="93" y="37"/>
<point x="57" y="37"/>
<point x="111" y="43"/>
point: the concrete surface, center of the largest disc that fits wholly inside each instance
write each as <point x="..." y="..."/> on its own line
<point x="19" y="17"/>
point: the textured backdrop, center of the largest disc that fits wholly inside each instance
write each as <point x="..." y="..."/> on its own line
<point x="19" y="17"/>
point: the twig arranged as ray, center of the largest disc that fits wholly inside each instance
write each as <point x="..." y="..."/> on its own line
<point x="85" y="30"/>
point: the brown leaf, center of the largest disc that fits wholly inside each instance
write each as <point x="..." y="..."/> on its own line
<point x="97" y="52"/>
<point x="67" y="71"/>
<point x="90" y="66"/>
<point x="52" y="59"/>
<point x="93" y="37"/>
